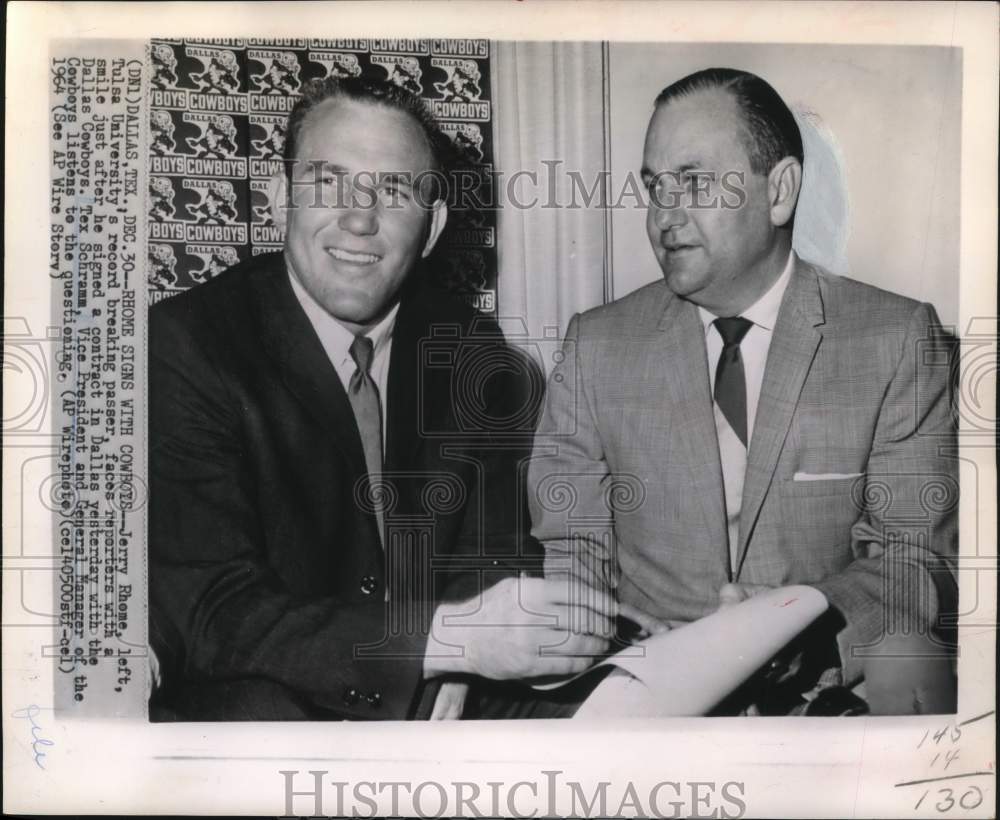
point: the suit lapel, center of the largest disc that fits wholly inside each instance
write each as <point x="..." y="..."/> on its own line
<point x="793" y="347"/>
<point x="291" y="341"/>
<point x="689" y="397"/>
<point x="403" y="388"/>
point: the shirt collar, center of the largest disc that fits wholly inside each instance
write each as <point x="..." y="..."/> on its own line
<point x="336" y="338"/>
<point x="763" y="312"/>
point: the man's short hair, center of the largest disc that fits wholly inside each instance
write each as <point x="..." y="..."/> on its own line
<point x="770" y="133"/>
<point x="376" y="92"/>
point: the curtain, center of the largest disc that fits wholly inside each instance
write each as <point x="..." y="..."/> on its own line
<point x="550" y="122"/>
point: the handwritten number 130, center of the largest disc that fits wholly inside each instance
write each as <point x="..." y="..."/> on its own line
<point x="970" y="799"/>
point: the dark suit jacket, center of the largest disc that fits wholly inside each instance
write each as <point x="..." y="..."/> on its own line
<point x="851" y="481"/>
<point x="266" y="570"/>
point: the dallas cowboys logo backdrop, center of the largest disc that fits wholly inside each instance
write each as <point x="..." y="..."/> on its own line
<point x="217" y="132"/>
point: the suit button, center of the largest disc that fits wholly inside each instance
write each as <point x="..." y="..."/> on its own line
<point x="369" y="584"/>
<point x="351" y="696"/>
<point x="375" y="700"/>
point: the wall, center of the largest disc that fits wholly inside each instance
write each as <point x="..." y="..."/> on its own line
<point x="217" y="128"/>
<point x="894" y="113"/>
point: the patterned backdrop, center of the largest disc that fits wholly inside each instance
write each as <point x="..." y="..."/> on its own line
<point x="217" y="119"/>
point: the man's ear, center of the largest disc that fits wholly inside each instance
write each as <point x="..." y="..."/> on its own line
<point x="439" y="216"/>
<point x="783" y="186"/>
<point x="277" y="198"/>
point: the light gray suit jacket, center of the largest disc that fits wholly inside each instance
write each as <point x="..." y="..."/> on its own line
<point x="626" y="480"/>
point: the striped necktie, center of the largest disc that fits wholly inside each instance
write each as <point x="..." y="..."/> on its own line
<point x="363" y="394"/>
<point x="730" y="380"/>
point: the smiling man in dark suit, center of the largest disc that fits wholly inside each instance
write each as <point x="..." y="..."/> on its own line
<point x="337" y="517"/>
<point x="778" y="424"/>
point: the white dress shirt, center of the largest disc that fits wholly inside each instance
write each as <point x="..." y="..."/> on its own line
<point x="753" y="350"/>
<point x="337" y="340"/>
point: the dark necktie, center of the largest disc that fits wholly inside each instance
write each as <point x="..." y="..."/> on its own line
<point x="363" y="394"/>
<point x="730" y="381"/>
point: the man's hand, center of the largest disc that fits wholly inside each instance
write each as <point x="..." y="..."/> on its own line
<point x="586" y="575"/>
<point x="648" y="625"/>
<point x="906" y="675"/>
<point x="910" y="675"/>
<point x="522" y="628"/>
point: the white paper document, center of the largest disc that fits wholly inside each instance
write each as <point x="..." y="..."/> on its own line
<point x="687" y="671"/>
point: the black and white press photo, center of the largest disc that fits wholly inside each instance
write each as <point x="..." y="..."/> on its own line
<point x="365" y="501"/>
<point x="501" y="409"/>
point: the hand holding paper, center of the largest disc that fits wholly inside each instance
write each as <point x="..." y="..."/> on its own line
<point x="688" y="670"/>
<point x="521" y="628"/>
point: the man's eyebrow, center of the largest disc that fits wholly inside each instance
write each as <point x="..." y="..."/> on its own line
<point x="317" y="166"/>
<point x="683" y="168"/>
<point x="397" y="177"/>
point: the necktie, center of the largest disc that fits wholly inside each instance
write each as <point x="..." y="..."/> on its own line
<point x="730" y="381"/>
<point x="363" y="394"/>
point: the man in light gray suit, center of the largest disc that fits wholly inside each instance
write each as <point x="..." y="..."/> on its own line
<point x="752" y="421"/>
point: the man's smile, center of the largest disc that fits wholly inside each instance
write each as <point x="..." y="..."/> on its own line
<point x="353" y="257"/>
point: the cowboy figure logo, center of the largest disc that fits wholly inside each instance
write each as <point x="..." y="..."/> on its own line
<point x="273" y="145"/>
<point x="462" y="84"/>
<point x="469" y="228"/>
<point x="465" y="272"/>
<point x="260" y="205"/>
<point x="162" y="264"/>
<point x="403" y="71"/>
<point x="164" y="66"/>
<point x="263" y="231"/>
<point x="161" y="131"/>
<point x="161" y="199"/>
<point x="220" y="75"/>
<point x="216" y="141"/>
<point x="468" y="140"/>
<point x="336" y="64"/>
<point x="262" y="213"/>
<point x="344" y="65"/>
<point x="470" y="218"/>
<point x="281" y="75"/>
<point x="218" y="204"/>
<point x="460" y="93"/>
<point x="215" y="260"/>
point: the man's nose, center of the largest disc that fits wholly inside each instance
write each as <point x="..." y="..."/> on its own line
<point x="669" y="215"/>
<point x="360" y="219"/>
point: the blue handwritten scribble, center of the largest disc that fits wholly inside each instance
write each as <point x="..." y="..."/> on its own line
<point x="38" y="744"/>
